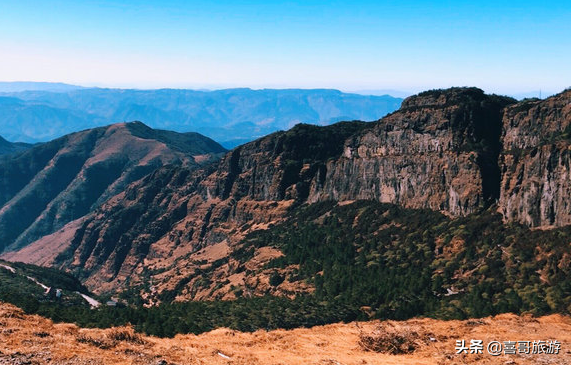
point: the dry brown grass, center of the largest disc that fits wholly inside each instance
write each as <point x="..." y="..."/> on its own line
<point x="102" y="343"/>
<point x="112" y="338"/>
<point x="26" y="339"/>
<point x="394" y="338"/>
<point x="125" y="334"/>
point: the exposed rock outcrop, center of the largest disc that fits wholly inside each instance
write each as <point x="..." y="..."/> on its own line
<point x="535" y="162"/>
<point x="439" y="151"/>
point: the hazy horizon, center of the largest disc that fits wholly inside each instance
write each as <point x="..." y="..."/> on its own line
<point x="372" y="92"/>
<point x="506" y="48"/>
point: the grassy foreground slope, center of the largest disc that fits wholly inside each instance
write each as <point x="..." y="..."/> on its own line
<point x="31" y="339"/>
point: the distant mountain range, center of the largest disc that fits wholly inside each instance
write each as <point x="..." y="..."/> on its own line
<point x="381" y="92"/>
<point x="19" y="86"/>
<point x="31" y="112"/>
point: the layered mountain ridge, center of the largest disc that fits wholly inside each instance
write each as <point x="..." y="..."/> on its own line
<point x="452" y="151"/>
<point x="55" y="183"/>
<point x="230" y="116"/>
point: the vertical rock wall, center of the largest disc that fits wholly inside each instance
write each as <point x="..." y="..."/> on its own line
<point x="439" y="151"/>
<point x="535" y="160"/>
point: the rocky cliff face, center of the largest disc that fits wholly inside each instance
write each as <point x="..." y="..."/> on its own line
<point x="439" y="151"/>
<point x="535" y="162"/>
<point x="181" y="228"/>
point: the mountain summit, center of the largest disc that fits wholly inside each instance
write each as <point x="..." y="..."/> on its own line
<point x="54" y="183"/>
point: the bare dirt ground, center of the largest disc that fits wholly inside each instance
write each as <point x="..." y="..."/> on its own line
<point x="30" y="339"/>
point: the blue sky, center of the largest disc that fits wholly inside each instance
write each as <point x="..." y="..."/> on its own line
<point x="500" y="46"/>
